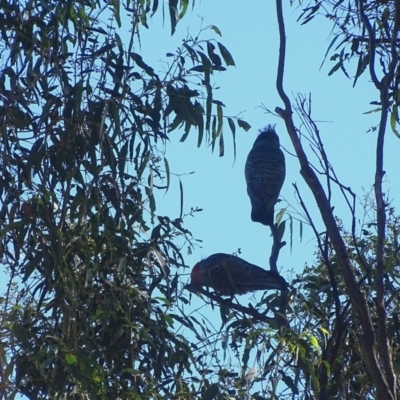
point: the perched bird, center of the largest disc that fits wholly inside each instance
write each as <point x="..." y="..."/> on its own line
<point x="229" y="275"/>
<point x="265" y="173"/>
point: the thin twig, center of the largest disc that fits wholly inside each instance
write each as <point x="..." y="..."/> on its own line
<point x="305" y="115"/>
<point x="279" y="320"/>
<point x="324" y="255"/>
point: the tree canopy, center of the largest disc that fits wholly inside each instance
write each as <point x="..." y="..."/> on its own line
<point x="95" y="305"/>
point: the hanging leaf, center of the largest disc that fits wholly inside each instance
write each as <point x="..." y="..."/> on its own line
<point x="173" y="14"/>
<point x="244" y="125"/>
<point x="225" y="54"/>
<point x="216" y="30"/>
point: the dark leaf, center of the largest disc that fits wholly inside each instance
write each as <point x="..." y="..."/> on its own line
<point x="173" y="13"/>
<point x="225" y="54"/>
<point x="141" y="64"/>
<point x="210" y="392"/>
<point x="243" y="124"/>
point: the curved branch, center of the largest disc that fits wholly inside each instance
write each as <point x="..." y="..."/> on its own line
<point x="371" y="41"/>
<point x="281" y="61"/>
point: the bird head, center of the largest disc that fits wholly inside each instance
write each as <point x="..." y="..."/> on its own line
<point x="268" y="134"/>
<point x="196" y="274"/>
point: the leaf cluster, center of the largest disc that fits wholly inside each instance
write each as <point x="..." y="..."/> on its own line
<point x="365" y="39"/>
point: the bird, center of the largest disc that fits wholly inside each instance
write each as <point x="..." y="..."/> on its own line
<point x="230" y="275"/>
<point x="265" y="173"/>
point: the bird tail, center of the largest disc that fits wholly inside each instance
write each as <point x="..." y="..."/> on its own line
<point x="266" y="280"/>
<point x="262" y="214"/>
<point x="262" y="217"/>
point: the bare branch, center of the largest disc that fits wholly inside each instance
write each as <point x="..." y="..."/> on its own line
<point x="276" y="247"/>
<point x="305" y="114"/>
<point x="281" y="62"/>
<point x="371" y="35"/>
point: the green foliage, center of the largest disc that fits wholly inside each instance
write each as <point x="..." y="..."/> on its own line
<point x="322" y="308"/>
<point x="84" y="124"/>
<point x="364" y="40"/>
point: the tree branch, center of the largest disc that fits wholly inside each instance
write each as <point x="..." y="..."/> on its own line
<point x="280" y="316"/>
<point x="380" y="204"/>
<point x="281" y="61"/>
<point x="276" y="247"/>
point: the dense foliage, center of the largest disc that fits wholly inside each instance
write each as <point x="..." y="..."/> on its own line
<point x="84" y="131"/>
<point x="95" y="306"/>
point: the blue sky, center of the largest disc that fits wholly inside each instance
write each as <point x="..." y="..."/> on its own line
<point x="217" y="185"/>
